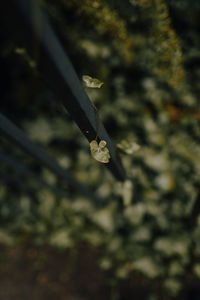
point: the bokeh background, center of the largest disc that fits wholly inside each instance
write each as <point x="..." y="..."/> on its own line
<point x="143" y="240"/>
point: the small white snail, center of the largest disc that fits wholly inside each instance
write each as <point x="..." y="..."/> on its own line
<point x="99" y="151"/>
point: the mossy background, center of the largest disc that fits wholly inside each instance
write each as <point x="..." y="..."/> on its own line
<point x="147" y="54"/>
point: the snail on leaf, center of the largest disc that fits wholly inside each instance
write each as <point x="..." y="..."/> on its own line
<point x="99" y="151"/>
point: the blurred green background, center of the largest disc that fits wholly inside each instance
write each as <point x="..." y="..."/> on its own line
<point x="144" y="242"/>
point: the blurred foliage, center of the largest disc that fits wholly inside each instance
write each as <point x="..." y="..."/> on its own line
<point x="147" y="54"/>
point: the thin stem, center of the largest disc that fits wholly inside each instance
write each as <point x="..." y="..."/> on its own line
<point x="99" y="121"/>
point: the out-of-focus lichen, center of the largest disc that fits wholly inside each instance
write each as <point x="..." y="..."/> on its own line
<point x="105" y="21"/>
<point x="165" y="60"/>
<point x="168" y="59"/>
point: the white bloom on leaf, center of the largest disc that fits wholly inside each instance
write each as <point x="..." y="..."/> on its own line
<point x="127" y="192"/>
<point x="147" y="266"/>
<point x="128" y="147"/>
<point x="196" y="270"/>
<point x="104" y="218"/>
<point x="61" y="239"/>
<point x="135" y="213"/>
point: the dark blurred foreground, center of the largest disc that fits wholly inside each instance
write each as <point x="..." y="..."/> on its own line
<point x="31" y="272"/>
